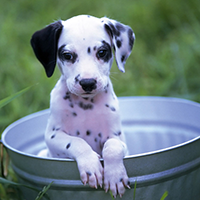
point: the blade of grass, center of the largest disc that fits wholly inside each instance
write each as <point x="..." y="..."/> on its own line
<point x="7" y="100"/>
<point x="164" y="195"/>
<point x="40" y="193"/>
<point x="111" y="195"/>
<point x="5" y="181"/>
<point x="134" y="193"/>
<point x="43" y="192"/>
<point x="2" y="191"/>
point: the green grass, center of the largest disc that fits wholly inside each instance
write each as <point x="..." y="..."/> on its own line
<point x="164" y="196"/>
<point x="164" y="62"/>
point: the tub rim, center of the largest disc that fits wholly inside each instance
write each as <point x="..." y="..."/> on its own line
<point x="46" y="111"/>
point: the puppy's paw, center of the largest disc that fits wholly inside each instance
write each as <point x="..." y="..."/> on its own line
<point x="115" y="179"/>
<point x="90" y="169"/>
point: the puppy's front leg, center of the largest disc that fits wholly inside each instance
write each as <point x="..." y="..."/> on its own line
<point x="115" y="176"/>
<point x="66" y="146"/>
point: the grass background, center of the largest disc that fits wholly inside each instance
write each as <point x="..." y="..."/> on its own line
<point x="164" y="62"/>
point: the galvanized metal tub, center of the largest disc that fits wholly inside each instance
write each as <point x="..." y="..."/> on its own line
<point x="163" y="137"/>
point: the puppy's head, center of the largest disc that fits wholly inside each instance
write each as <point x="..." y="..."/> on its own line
<point x="82" y="47"/>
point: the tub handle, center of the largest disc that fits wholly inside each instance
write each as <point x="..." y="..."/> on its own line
<point x="3" y="158"/>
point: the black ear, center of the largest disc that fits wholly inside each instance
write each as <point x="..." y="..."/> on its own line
<point x="44" y="43"/>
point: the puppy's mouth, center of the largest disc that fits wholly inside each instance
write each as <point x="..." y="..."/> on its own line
<point x="88" y="94"/>
<point x="86" y="89"/>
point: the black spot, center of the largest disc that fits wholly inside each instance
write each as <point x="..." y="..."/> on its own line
<point x="108" y="30"/>
<point x="86" y="98"/>
<point x="95" y="139"/>
<point x="121" y="179"/>
<point x="77" y="133"/>
<point x="95" y="48"/>
<point x="81" y="104"/>
<point x="106" y="88"/>
<point x="85" y="106"/>
<point x="67" y="96"/>
<point x="88" y="132"/>
<point x="55" y="129"/>
<point x="119" y="43"/>
<point x="114" y="48"/>
<point x="68" y="145"/>
<point x="71" y="105"/>
<point x="77" y="78"/>
<point x="74" y="114"/>
<point x="131" y="38"/>
<point x="89" y="173"/>
<point x="123" y="58"/>
<point x="118" y="133"/>
<point x="120" y="27"/>
<point x="92" y="100"/>
<point x="113" y="109"/>
<point x="114" y="30"/>
<point x="89" y="50"/>
<point x="100" y="135"/>
<point x="53" y="136"/>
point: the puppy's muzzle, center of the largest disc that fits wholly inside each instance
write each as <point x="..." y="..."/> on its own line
<point x="88" y="84"/>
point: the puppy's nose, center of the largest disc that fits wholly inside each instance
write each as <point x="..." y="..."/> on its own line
<point x="88" y="84"/>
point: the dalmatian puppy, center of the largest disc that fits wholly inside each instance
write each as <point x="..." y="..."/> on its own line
<point x="84" y="122"/>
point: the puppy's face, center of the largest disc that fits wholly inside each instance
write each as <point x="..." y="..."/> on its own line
<point x="85" y="55"/>
<point x="82" y="47"/>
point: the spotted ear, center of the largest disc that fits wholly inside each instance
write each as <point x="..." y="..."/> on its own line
<point x="122" y="39"/>
<point x="44" y="43"/>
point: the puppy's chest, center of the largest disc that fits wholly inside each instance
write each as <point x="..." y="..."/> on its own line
<point x="89" y="116"/>
<point x="93" y="119"/>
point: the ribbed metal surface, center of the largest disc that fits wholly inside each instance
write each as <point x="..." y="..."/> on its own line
<point x="163" y="137"/>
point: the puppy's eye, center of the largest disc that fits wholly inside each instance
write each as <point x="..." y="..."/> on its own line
<point x="102" y="53"/>
<point x="67" y="56"/>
